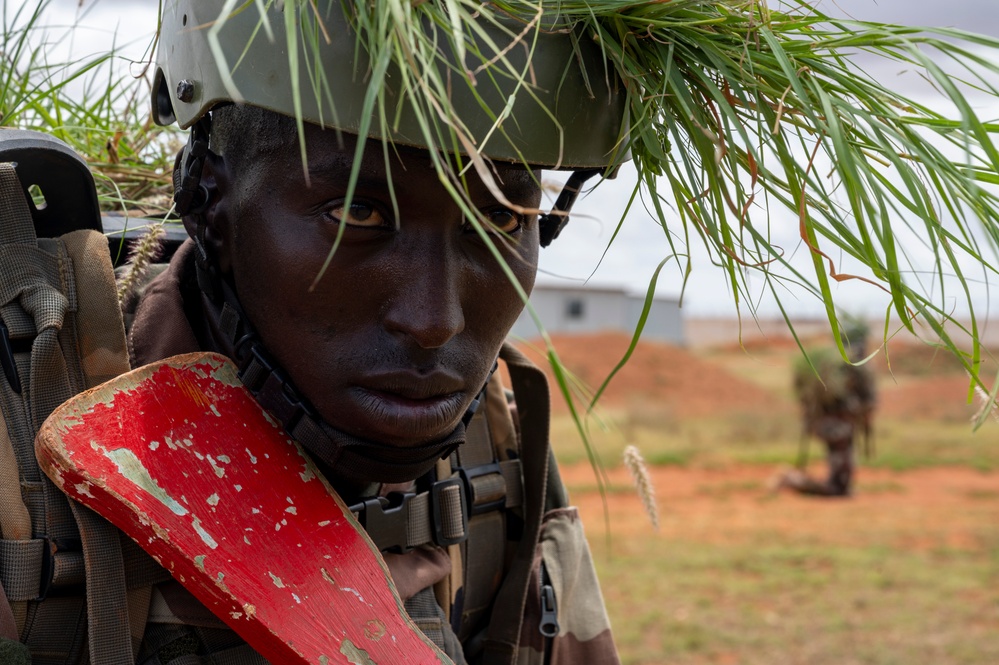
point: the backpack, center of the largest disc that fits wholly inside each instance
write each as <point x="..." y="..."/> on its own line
<point x="60" y="333"/>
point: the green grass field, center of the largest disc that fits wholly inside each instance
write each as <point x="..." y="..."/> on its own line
<point x="767" y="603"/>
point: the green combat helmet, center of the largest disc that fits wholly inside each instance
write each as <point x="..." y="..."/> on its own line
<point x="569" y="116"/>
<point x="542" y="97"/>
<point x="519" y="89"/>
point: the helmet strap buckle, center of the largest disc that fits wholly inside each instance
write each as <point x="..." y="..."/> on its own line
<point x="550" y="225"/>
<point x="189" y="195"/>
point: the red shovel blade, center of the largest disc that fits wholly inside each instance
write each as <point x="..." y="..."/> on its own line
<point x="181" y="458"/>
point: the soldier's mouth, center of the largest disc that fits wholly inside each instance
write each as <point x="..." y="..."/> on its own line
<point x="403" y="419"/>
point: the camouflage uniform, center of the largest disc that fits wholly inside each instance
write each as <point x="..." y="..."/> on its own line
<point x="837" y="401"/>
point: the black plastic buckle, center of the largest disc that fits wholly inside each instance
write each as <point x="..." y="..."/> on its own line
<point x="188" y="193"/>
<point x="384" y="518"/>
<point x="436" y="504"/>
<point x="548" y="625"/>
<point x="467" y="475"/>
<point x="62" y="176"/>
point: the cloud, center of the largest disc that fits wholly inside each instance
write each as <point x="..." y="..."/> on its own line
<point x="974" y="15"/>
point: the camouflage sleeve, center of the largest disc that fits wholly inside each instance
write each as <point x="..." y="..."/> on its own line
<point x="564" y="581"/>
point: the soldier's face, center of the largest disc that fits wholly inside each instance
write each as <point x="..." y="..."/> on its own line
<point x="398" y="335"/>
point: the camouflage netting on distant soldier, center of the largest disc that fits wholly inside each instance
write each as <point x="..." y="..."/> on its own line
<point x="837" y="399"/>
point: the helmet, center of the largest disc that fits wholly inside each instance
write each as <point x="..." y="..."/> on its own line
<point x="566" y="108"/>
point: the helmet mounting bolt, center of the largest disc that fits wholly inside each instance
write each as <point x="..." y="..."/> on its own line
<point x="185" y="90"/>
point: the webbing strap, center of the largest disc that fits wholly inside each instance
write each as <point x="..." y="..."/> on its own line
<point x="102" y="354"/>
<point x="453" y="524"/>
<point x="418" y="530"/>
<point x="514" y="480"/>
<point x="30" y="301"/>
<point x="138" y="600"/>
<point x="531" y="389"/>
<point x="12" y="198"/>
<point x="483" y="552"/>
<point x="499" y="417"/>
<point x="68" y="568"/>
<point x="15" y="523"/>
<point x="21" y="568"/>
<point x="38" y="304"/>
<point x="445" y="589"/>
<point x="100" y="345"/>
<point x="37" y="290"/>
<point x="108" y="620"/>
<point x="488" y="488"/>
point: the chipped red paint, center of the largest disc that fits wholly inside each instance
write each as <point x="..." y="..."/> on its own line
<point x="181" y="458"/>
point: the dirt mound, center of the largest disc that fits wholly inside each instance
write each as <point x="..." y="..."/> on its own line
<point x="930" y="398"/>
<point x="657" y="375"/>
<point x="915" y="359"/>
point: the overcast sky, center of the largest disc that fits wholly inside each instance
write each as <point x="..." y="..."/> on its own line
<point x="641" y="245"/>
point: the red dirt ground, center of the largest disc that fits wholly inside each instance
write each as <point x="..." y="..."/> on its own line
<point x="922" y="509"/>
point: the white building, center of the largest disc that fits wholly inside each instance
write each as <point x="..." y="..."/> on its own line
<point x="588" y="309"/>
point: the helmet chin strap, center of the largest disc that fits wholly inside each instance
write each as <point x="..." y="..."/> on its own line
<point x="550" y="224"/>
<point x="349" y="458"/>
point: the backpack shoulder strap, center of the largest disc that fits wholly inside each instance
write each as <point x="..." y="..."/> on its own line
<point x="531" y="388"/>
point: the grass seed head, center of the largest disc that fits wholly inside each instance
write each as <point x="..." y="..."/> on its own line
<point x="643" y="483"/>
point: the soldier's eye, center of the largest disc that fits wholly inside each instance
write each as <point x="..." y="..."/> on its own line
<point x="504" y="220"/>
<point x="360" y="214"/>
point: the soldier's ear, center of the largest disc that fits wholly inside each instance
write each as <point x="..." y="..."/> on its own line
<point x="212" y="219"/>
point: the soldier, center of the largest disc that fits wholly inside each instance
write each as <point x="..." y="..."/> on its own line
<point x="837" y="402"/>
<point x="390" y="347"/>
